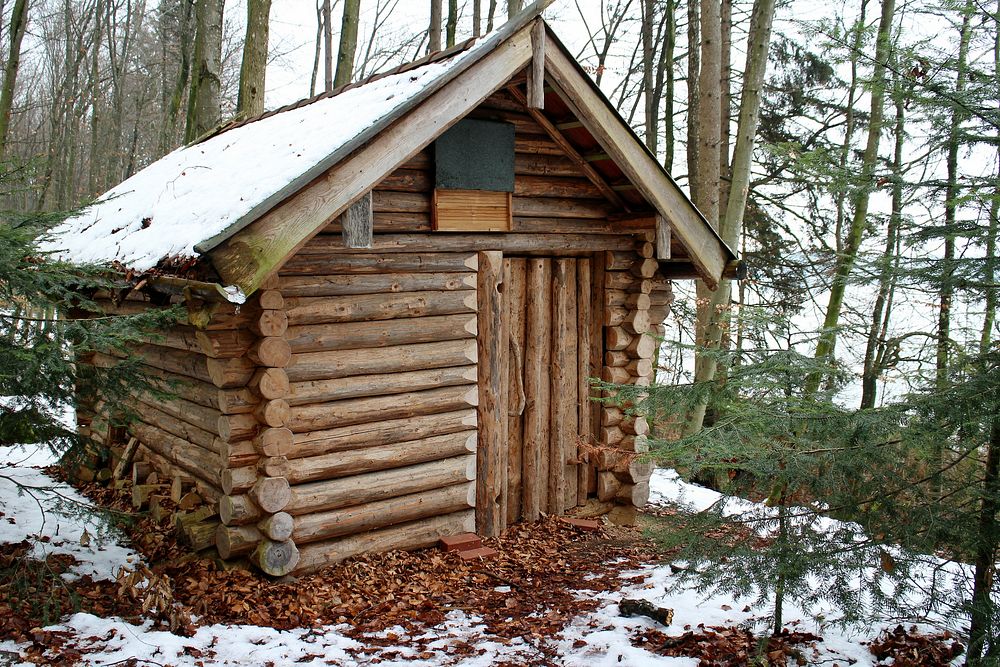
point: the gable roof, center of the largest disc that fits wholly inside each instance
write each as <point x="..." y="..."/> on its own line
<point x="251" y="194"/>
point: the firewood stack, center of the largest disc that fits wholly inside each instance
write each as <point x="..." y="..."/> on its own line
<point x="630" y="286"/>
<point x="257" y="491"/>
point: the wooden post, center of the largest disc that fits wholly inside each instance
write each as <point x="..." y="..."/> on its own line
<point x="357" y="222"/>
<point x="514" y="297"/>
<point x="584" y="302"/>
<point x="489" y="516"/>
<point x="662" y="238"/>
<point x="536" y="388"/>
<point x="536" y="70"/>
<point x="563" y="429"/>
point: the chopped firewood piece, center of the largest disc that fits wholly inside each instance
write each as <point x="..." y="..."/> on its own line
<point x="630" y="607"/>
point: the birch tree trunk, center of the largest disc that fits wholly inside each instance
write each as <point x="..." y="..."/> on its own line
<point x="714" y="307"/>
<point x="866" y="178"/>
<point x="348" y="43"/>
<point x="18" y="26"/>
<point x="203" y="101"/>
<point x="252" y="71"/>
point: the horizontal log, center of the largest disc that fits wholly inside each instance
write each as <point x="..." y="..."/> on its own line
<point x="348" y="285"/>
<point x="611" y="416"/>
<point x="636" y="495"/>
<point x="236" y="454"/>
<point x="275" y="558"/>
<point x="270" y="299"/>
<point x="177" y="337"/>
<point x="621" y="280"/>
<point x="644" y="268"/>
<point x="374" y="486"/>
<point x="328" y="259"/>
<point x="635" y="426"/>
<point x="236" y="427"/>
<point x="642" y="347"/>
<point x="393" y="201"/>
<point x="382" y="432"/>
<point x="413" y="535"/>
<point x="209" y="491"/>
<point x="545" y="244"/>
<point x="619" y="260"/>
<point x="271" y="351"/>
<point x="407" y="180"/>
<point x="152" y="415"/>
<point x="544" y="165"/>
<point x="180" y="362"/>
<point x="190" y="459"/>
<point x="616" y="375"/>
<point x="631" y="300"/>
<point x="271" y="494"/>
<point x="187" y="411"/>
<point x="238" y="480"/>
<point x="225" y="344"/>
<point x="563" y="225"/>
<point x="366" y="307"/>
<point x="206" y="394"/>
<point x="236" y="541"/>
<point x="269" y="383"/>
<point x="608" y="485"/>
<point x="394" y="359"/>
<point x="239" y="510"/>
<point x="577" y="187"/>
<point x="320" y="416"/>
<point x="269" y="323"/>
<point x="382" y="457"/>
<point x="274" y="466"/>
<point x="276" y="413"/>
<point x="230" y="373"/>
<point x="379" y="514"/>
<point x="640" y="367"/>
<point x="559" y="207"/>
<point x="637" y="322"/>
<point x="359" y="386"/>
<point x="617" y="338"/>
<point x="616" y="358"/>
<point x="274" y="441"/>
<point x="278" y="527"/>
<point x="380" y="333"/>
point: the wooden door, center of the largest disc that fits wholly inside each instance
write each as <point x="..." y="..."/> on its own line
<point x="552" y="348"/>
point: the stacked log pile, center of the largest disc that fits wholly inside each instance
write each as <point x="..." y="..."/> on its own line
<point x="630" y="349"/>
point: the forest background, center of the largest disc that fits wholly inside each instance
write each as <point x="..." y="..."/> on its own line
<point x="849" y="152"/>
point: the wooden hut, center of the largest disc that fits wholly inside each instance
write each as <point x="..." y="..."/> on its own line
<point x="397" y="293"/>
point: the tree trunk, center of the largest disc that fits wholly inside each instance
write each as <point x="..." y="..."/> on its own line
<point x="490" y="15"/>
<point x="18" y="26"/>
<point x="648" y="73"/>
<point x="477" y="17"/>
<point x="866" y="179"/>
<point x="434" y="32"/>
<point x="713" y="317"/>
<point x="327" y="46"/>
<point x="348" y="43"/>
<point x="982" y="612"/>
<point x="203" y="102"/>
<point x="252" y="71"/>
<point x="514" y="8"/>
<point x="452" y="25"/>
<point x="169" y="134"/>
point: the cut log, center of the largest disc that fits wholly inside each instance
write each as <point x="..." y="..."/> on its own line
<point x="608" y="485"/>
<point x="616" y="375"/>
<point x="140" y="471"/>
<point x="346" y="285"/>
<point x="369" y="487"/>
<point x="616" y="358"/>
<point x="642" y="347"/>
<point x="271" y="351"/>
<point x="275" y="558"/>
<point x="617" y="338"/>
<point x="195" y="461"/>
<point x="236" y="454"/>
<point x="269" y="383"/>
<point x="236" y="427"/>
<point x="382" y="432"/>
<point x="509" y="244"/>
<point x="644" y="268"/>
<point x="360" y="386"/>
<point x="642" y="368"/>
<point x="180" y="362"/>
<point x="364" y="410"/>
<point x="274" y="466"/>
<point x="636" y="426"/>
<point x="234" y="401"/>
<point x="238" y="480"/>
<point x="413" y="535"/>
<point x="269" y="323"/>
<point x="620" y="280"/>
<point x="230" y="373"/>
<point x="611" y="435"/>
<point x="379" y="514"/>
<point x="142" y="492"/>
<point x="225" y="344"/>
<point x="278" y="527"/>
<point x="395" y="359"/>
<point x="273" y="442"/>
<point x="271" y="494"/>
<point x="236" y="541"/>
<point x="239" y="510"/>
<point x="276" y="413"/>
<point x="537" y="351"/>
<point x="380" y="333"/>
<point x="179" y="485"/>
<point x="631" y="300"/>
<point x="366" y="307"/>
<point x="492" y="344"/>
<point x="200" y="536"/>
<point x="370" y="459"/>
<point x="125" y="462"/>
<point x="635" y="494"/>
<point x="638" y="470"/>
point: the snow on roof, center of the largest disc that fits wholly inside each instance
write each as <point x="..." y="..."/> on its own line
<point x="199" y="191"/>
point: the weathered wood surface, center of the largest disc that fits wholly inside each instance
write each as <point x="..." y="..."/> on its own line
<point x="392" y="359"/>
<point x="348" y="285"/>
<point x="381" y="432"/>
<point x="362" y="307"/>
<point x="515" y="297"/>
<point x="563" y="428"/>
<point x="334" y="261"/>
<point x="584" y="304"/>
<point x="514" y="243"/>
<point x="356" y="223"/>
<point x="370" y="487"/>
<point x="382" y="513"/>
<point x="413" y="535"/>
<point x="322" y="391"/>
<point x="491" y="343"/>
<point x="380" y="333"/>
<point x="315" y="417"/>
<point x="381" y="457"/>
<point x="537" y="348"/>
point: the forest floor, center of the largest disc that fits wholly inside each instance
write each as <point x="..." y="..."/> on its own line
<point x="78" y="589"/>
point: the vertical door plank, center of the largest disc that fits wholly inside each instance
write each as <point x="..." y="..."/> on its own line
<point x="569" y="350"/>
<point x="562" y="475"/>
<point x="584" y="315"/>
<point x="534" y="477"/>
<point x="514" y="298"/>
<point x="596" y="352"/>
<point x="490" y="460"/>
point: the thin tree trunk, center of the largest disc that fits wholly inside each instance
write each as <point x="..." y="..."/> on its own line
<point x="348" y="43"/>
<point x="18" y="26"/>
<point x="514" y="8"/>
<point x="169" y="134"/>
<point x="693" y="66"/>
<point x="477" y="17"/>
<point x="713" y="316"/>
<point x="452" y="25"/>
<point x="648" y="73"/>
<point x="95" y="183"/>
<point x="318" y="53"/>
<point x="849" y="124"/>
<point x="726" y="101"/>
<point x="489" y="17"/>
<point x="203" y="100"/>
<point x="327" y="46"/>
<point x="875" y="347"/>
<point x="845" y="261"/>
<point x="665" y="80"/>
<point x="254" y="65"/>
<point x="982" y="606"/>
<point x="434" y="31"/>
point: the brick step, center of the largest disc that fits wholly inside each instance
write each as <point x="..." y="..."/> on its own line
<point x="480" y="552"/>
<point x="586" y="525"/>
<point x="461" y="542"/>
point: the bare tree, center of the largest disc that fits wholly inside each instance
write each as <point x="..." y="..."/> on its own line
<point x="204" y="102"/>
<point x="348" y="43"/>
<point x="513" y="8"/>
<point x="434" y="32"/>
<point x="452" y="25"/>
<point x="18" y="26"/>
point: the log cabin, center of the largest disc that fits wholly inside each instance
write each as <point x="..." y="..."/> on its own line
<point x="397" y="294"/>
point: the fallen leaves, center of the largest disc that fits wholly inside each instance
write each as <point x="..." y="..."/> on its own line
<point x="903" y="647"/>
<point x="731" y="647"/>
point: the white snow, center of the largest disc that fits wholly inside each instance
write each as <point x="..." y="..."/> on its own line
<point x="599" y="638"/>
<point x="196" y="192"/>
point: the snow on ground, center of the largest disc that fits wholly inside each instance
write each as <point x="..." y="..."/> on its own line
<point x="595" y="639"/>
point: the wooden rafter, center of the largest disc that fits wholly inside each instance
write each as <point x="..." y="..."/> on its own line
<point x="570" y="151"/>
